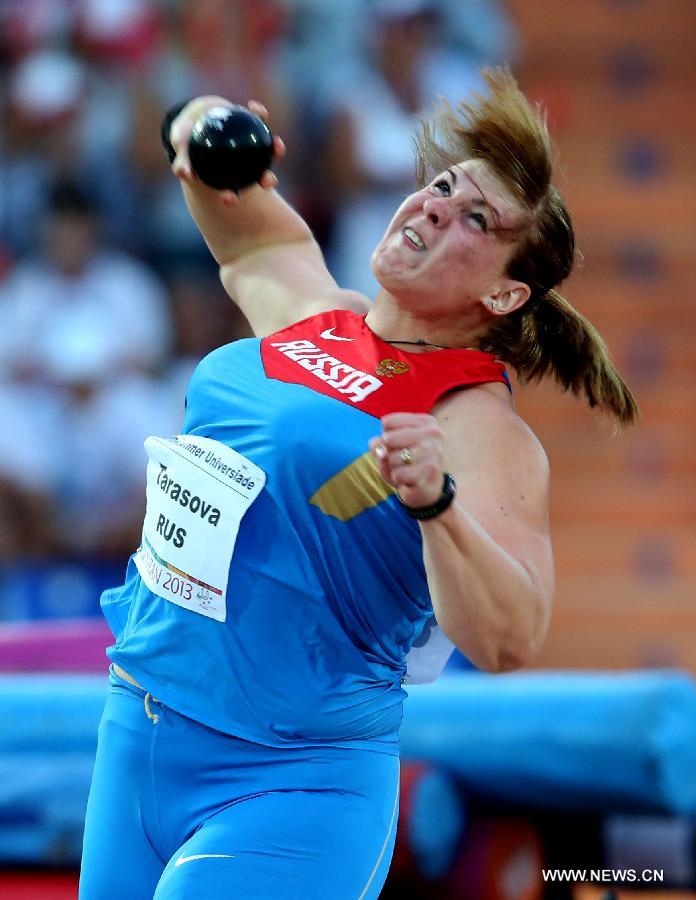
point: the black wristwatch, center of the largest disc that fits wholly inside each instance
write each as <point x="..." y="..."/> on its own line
<point x="169" y="117"/>
<point x="449" y="489"/>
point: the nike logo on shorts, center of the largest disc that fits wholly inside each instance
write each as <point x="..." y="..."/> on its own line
<point x="184" y="859"/>
<point x="333" y="337"/>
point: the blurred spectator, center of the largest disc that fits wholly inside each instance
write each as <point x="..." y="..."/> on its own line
<point x="372" y="113"/>
<point x="46" y="90"/>
<point x="482" y="29"/>
<point x="27" y="472"/>
<point x="27" y="25"/>
<point x="99" y="478"/>
<point x="79" y="295"/>
<point x="64" y="119"/>
<point x="86" y="329"/>
<point x="323" y="34"/>
<point x="118" y="39"/>
<point x="122" y="33"/>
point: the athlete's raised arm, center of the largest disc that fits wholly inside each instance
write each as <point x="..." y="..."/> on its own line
<point x="270" y="263"/>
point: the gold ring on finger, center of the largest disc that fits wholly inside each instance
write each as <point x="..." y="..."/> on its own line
<point x="405" y="456"/>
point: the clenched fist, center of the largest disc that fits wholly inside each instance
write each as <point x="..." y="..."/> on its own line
<point x="409" y="453"/>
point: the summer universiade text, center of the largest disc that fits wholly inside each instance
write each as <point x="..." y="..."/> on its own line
<point x="238" y="476"/>
<point x="604" y="876"/>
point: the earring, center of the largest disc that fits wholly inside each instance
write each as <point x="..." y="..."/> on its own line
<point x="490" y="304"/>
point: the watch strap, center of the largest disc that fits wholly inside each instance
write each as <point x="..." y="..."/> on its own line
<point x="449" y="489"/>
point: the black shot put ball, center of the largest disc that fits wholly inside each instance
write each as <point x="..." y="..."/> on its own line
<point x="230" y="148"/>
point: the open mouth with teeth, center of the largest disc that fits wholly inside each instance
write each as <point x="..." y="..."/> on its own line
<point x="414" y="238"/>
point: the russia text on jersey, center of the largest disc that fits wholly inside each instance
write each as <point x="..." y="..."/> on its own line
<point x="356" y="384"/>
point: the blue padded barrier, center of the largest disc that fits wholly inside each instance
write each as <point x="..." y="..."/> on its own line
<point x="50" y="713"/>
<point x="563" y="740"/>
<point x="43" y="798"/>
<point x="48" y="738"/>
<point x="554" y="740"/>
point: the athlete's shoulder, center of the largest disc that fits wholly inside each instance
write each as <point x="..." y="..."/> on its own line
<point x="227" y="355"/>
<point x="220" y="365"/>
<point x="484" y="416"/>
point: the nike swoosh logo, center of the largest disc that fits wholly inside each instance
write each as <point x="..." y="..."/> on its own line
<point x="184" y="859"/>
<point x="333" y="337"/>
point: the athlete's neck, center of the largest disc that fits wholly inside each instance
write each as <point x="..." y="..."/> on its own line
<point x="418" y="334"/>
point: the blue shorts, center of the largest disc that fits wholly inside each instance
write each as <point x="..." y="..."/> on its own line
<point x="177" y="810"/>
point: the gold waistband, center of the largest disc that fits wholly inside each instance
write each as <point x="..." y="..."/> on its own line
<point x="125" y="676"/>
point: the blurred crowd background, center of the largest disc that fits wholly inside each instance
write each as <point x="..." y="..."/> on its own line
<point x="108" y="296"/>
<point x="108" y="299"/>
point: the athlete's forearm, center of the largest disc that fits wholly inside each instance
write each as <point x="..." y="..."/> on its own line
<point x="260" y="219"/>
<point x="484" y="599"/>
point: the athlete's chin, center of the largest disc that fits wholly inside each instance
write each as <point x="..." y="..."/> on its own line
<point x="392" y="272"/>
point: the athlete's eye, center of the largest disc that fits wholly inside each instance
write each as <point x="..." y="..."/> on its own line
<point x="443" y="187"/>
<point x="479" y="220"/>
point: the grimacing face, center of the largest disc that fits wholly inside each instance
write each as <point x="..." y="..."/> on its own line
<point x="448" y="245"/>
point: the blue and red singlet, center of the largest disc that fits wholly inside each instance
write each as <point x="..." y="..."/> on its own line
<point x="279" y="586"/>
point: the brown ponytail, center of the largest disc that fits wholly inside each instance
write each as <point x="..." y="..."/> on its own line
<point x="546" y="336"/>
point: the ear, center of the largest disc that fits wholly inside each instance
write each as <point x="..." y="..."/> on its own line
<point x="507" y="299"/>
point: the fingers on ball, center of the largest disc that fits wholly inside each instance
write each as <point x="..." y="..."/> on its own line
<point x="258" y="108"/>
<point x="279" y="148"/>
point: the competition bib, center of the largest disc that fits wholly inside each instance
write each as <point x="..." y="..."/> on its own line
<point x="197" y="493"/>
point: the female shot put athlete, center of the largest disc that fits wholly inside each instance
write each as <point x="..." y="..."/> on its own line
<point x="341" y="479"/>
